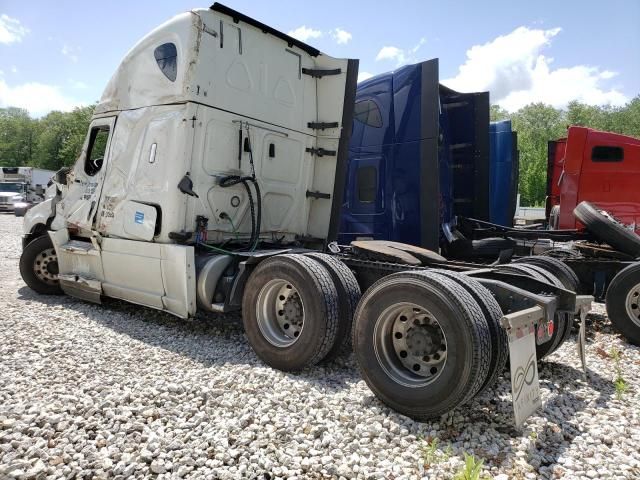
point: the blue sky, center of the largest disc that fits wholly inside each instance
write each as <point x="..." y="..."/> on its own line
<point x="54" y="55"/>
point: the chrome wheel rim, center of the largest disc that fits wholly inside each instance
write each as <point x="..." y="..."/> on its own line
<point x="280" y="313"/>
<point x="410" y="345"/>
<point x="45" y="266"/>
<point x="632" y="303"/>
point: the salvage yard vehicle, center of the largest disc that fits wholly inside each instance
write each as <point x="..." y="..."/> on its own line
<point x="212" y="179"/>
<point x="464" y="206"/>
<point x="22" y="187"/>
<point x="593" y="207"/>
<point x="594" y="166"/>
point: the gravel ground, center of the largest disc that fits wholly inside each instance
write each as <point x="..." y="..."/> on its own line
<point x="122" y="391"/>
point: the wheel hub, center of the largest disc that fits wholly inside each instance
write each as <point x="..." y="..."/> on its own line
<point x="291" y="318"/>
<point x="280" y="313"/>
<point x="45" y="266"/>
<point x="633" y="304"/>
<point x="417" y="350"/>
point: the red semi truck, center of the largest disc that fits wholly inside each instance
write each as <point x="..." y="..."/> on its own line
<point x="594" y="166"/>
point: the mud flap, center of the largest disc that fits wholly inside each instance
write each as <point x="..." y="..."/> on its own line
<point x="525" y="385"/>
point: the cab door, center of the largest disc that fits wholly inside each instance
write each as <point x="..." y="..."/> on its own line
<point x="84" y="182"/>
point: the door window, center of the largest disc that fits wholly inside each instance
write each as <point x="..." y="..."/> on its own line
<point x="367" y="184"/>
<point x="607" y="154"/>
<point x="367" y="112"/>
<point x="97" y="149"/>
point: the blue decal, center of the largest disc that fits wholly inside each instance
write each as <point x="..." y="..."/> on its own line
<point x="139" y="217"/>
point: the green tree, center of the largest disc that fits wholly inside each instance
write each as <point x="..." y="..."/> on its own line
<point x="17" y="137"/>
<point x="497" y="113"/>
<point x="536" y="124"/>
<point x="61" y="137"/>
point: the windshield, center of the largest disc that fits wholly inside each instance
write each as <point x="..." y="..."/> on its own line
<point x="12" y="187"/>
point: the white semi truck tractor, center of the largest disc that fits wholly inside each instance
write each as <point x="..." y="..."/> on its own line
<point x="211" y="180"/>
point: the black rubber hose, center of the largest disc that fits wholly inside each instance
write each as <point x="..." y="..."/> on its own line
<point x="258" y="213"/>
<point x="235" y="180"/>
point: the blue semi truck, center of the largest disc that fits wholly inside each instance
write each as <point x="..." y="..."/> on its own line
<point x="422" y="155"/>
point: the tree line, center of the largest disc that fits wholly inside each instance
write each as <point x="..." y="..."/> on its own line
<point x="56" y="139"/>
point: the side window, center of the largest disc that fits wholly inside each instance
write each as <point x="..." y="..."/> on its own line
<point x="167" y="59"/>
<point x="367" y="184"/>
<point x="367" y="112"/>
<point x="607" y="154"/>
<point x="96" y="151"/>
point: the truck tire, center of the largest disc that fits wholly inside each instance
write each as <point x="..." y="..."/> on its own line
<point x="483" y="248"/>
<point x="607" y="229"/>
<point x="562" y="321"/>
<point x="290" y="311"/>
<point x="493" y="313"/>
<point x="348" y="297"/>
<point x="39" y="266"/>
<point x="556" y="267"/>
<point x="491" y="247"/>
<point x="623" y="303"/>
<point x="422" y="343"/>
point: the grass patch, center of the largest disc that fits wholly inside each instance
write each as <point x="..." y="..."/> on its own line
<point x="432" y="455"/>
<point x="472" y="469"/>
<point x="620" y="384"/>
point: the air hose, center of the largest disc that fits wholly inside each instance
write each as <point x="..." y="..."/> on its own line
<point x="255" y="209"/>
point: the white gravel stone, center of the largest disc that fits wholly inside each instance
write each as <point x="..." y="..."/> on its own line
<point x="97" y="391"/>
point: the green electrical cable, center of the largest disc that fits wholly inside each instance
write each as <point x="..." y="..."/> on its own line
<point x="217" y="249"/>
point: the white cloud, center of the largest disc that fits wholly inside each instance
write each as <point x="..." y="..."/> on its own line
<point x="401" y="56"/>
<point x="362" y="76"/>
<point x="516" y="73"/>
<point x="35" y="97"/>
<point x="389" y="53"/>
<point x="342" y="37"/>
<point x="70" y="52"/>
<point x="78" y="84"/>
<point x="11" y="30"/>
<point x="305" y="33"/>
<point x="14" y="69"/>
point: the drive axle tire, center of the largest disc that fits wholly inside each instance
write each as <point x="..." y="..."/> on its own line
<point x="290" y="311"/>
<point x="559" y="269"/>
<point x="623" y="303"/>
<point x="491" y="247"/>
<point x="422" y="343"/>
<point x="493" y="313"/>
<point x="606" y="229"/>
<point x="348" y="297"/>
<point x="39" y="266"/>
<point x="561" y="321"/>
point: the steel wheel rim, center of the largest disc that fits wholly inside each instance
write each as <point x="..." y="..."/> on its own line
<point x="410" y="345"/>
<point x="632" y="303"/>
<point x="45" y="266"/>
<point x="280" y="313"/>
